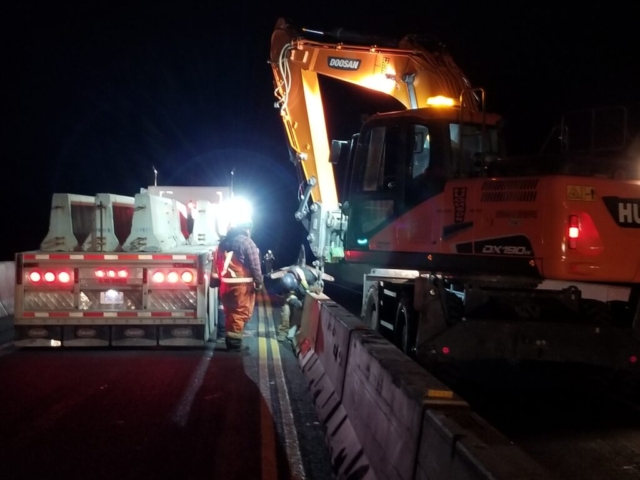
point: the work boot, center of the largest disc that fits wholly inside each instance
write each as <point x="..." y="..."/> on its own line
<point x="235" y="345"/>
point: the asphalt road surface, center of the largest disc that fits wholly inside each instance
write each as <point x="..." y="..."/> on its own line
<point x="162" y="413"/>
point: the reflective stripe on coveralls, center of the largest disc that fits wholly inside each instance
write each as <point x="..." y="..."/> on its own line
<point x="238" y="296"/>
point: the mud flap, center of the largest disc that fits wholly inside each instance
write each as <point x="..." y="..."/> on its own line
<point x="429" y="302"/>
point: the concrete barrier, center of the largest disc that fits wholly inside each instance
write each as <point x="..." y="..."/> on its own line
<point x="7" y="288"/>
<point x="385" y="396"/>
<point x="311" y="342"/>
<point x="462" y="445"/>
<point x="388" y="418"/>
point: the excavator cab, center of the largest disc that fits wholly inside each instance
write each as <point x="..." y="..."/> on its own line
<point x="401" y="160"/>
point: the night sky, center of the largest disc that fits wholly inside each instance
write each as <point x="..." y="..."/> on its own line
<point x="96" y="93"/>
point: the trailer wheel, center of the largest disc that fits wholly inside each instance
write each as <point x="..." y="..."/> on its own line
<point x="372" y="309"/>
<point x="405" y="325"/>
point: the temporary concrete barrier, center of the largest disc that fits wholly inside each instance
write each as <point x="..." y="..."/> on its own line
<point x="388" y="418"/>
<point x="113" y="215"/>
<point x="156" y="224"/>
<point x="462" y="445"/>
<point x="70" y="222"/>
<point x="205" y="224"/>
<point x="332" y="343"/>
<point x="7" y="288"/>
<point x="347" y="456"/>
<point x="386" y="395"/>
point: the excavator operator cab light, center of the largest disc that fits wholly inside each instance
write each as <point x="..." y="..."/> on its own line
<point x="440" y="101"/>
<point x="574" y="231"/>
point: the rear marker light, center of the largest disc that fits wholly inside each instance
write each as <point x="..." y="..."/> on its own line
<point x="49" y="277"/>
<point x="111" y="273"/>
<point x="445" y="350"/>
<point x="100" y="273"/>
<point x="64" y="277"/>
<point x="173" y="277"/>
<point x="123" y="273"/>
<point x="187" y="277"/>
<point x="633" y="359"/>
<point x="158" y="277"/>
<point x="35" y="277"/>
<point x="574" y="231"/>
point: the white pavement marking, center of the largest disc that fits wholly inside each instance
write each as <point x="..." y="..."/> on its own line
<point x="181" y="414"/>
<point x="290" y="432"/>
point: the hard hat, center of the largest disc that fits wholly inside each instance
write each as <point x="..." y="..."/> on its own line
<point x="289" y="282"/>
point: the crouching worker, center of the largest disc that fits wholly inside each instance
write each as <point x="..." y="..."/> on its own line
<point x="295" y="284"/>
<point x="238" y="268"/>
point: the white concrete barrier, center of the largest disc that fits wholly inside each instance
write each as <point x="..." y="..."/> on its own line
<point x="385" y="396"/>
<point x="388" y="418"/>
<point x="70" y="222"/>
<point x="156" y="224"/>
<point x="7" y="288"/>
<point x="113" y="216"/>
<point x="347" y="456"/>
<point x="463" y="446"/>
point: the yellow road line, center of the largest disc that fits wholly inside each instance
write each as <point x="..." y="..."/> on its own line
<point x="268" y="454"/>
<point x="291" y="435"/>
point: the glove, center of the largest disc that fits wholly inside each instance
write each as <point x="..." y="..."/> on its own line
<point x="294" y="302"/>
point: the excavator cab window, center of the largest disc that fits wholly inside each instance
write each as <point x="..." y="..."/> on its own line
<point x="374" y="188"/>
<point x="377" y="160"/>
<point x="426" y="172"/>
<point x="470" y="146"/>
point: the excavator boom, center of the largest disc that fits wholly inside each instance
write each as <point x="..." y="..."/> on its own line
<point x="409" y="72"/>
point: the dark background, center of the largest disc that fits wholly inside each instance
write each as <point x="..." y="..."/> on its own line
<point x="96" y="93"/>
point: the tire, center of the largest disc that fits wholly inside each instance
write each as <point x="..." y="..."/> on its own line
<point x="405" y="326"/>
<point x="372" y="309"/>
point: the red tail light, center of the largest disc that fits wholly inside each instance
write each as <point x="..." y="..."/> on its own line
<point x="49" y="277"/>
<point x="64" y="277"/>
<point x="158" y="277"/>
<point x="111" y="273"/>
<point x="35" y="277"/>
<point x="187" y="277"/>
<point x="100" y="273"/>
<point x="123" y="273"/>
<point x="574" y="231"/>
<point x="173" y="277"/>
<point x="446" y="350"/>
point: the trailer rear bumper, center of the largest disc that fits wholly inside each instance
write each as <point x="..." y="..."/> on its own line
<point x="179" y="333"/>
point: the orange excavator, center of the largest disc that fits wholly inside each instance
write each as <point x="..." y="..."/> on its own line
<point x="461" y="252"/>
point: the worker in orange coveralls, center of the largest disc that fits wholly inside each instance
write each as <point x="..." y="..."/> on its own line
<point x="238" y="267"/>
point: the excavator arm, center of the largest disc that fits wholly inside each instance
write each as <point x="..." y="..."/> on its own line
<point x="415" y="74"/>
<point x="412" y="74"/>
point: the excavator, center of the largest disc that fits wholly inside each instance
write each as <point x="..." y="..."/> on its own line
<point x="462" y="252"/>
